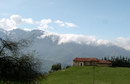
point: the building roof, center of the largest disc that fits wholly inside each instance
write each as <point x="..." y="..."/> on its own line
<point x="104" y="62"/>
<point x="92" y="60"/>
<point x="85" y="59"/>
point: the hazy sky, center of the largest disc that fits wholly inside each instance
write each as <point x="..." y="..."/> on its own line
<point x="105" y="19"/>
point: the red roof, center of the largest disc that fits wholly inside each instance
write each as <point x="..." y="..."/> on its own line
<point x="104" y="62"/>
<point x="92" y="60"/>
<point x="85" y="59"/>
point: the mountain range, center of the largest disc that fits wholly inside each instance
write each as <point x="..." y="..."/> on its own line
<point x="63" y="48"/>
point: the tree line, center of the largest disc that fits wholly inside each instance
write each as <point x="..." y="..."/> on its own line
<point x="118" y="61"/>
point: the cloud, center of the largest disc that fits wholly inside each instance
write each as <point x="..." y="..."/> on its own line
<point x="16" y="21"/>
<point x="7" y="24"/>
<point x="20" y="20"/>
<point x="28" y="21"/>
<point x="87" y="40"/>
<point x="65" y="24"/>
<point x="122" y="42"/>
<point x="80" y="39"/>
<point x="76" y="38"/>
<point x="70" y="24"/>
<point x="44" y="24"/>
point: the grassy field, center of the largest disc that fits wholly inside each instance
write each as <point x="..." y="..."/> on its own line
<point x="85" y="75"/>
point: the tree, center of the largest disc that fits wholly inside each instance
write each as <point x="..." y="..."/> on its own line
<point x="16" y="65"/>
<point x="56" y="67"/>
<point x="119" y="61"/>
<point x="68" y="66"/>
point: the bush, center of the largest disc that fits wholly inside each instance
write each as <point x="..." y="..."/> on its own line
<point x="68" y="66"/>
<point x="17" y="69"/>
<point x="56" y="67"/>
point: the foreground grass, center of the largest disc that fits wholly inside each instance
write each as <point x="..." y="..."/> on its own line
<point x="84" y="75"/>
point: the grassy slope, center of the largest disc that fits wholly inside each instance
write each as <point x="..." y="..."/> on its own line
<point x="84" y="75"/>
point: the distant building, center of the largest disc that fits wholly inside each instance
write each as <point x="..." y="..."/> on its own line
<point x="90" y="62"/>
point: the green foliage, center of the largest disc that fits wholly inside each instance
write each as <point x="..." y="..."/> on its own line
<point x="15" y="65"/>
<point x="119" y="61"/>
<point x="68" y="66"/>
<point x="56" y="67"/>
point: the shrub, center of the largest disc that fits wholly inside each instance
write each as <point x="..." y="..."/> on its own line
<point x="68" y="66"/>
<point x="56" y="67"/>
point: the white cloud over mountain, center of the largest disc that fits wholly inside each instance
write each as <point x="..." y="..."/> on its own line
<point x="123" y="42"/>
<point x="79" y="39"/>
<point x="15" y="21"/>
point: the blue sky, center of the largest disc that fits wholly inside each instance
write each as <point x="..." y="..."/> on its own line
<point x="105" y="19"/>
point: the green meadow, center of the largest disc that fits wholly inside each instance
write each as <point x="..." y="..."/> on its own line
<point x="89" y="75"/>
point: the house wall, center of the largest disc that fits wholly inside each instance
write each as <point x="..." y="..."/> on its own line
<point x="90" y="64"/>
<point x="87" y="63"/>
<point x="84" y="63"/>
<point x="78" y="63"/>
<point x="107" y="65"/>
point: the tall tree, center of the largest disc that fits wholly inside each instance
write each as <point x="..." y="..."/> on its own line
<point x="16" y="65"/>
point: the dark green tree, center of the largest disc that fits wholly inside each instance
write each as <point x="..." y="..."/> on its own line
<point x="56" y="67"/>
<point x="16" y="65"/>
